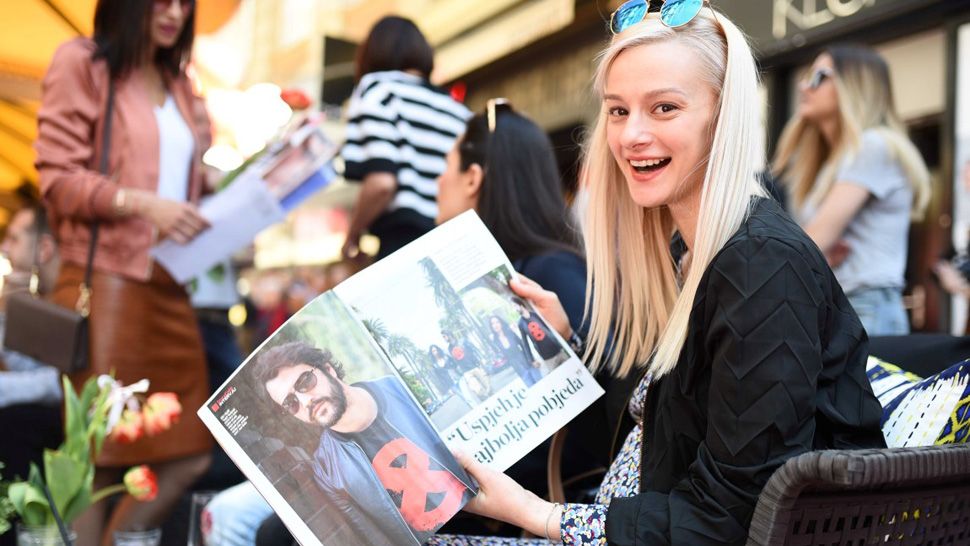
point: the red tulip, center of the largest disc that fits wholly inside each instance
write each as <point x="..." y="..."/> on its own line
<point x="160" y="411"/>
<point x="129" y="427"/>
<point x="141" y="483"/>
<point x="295" y="99"/>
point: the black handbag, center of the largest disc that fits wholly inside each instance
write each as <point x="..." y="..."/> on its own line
<point x="43" y="330"/>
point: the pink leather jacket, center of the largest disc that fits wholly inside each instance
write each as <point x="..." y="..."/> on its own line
<point x="68" y="146"/>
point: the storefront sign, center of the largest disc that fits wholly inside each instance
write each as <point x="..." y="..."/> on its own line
<point x="800" y="15"/>
<point x="777" y="26"/>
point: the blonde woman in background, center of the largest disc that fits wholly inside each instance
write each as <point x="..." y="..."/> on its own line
<point x="748" y="352"/>
<point x="856" y="180"/>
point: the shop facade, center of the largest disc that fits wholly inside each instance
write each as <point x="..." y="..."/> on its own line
<point x="927" y="46"/>
<point x="926" y="43"/>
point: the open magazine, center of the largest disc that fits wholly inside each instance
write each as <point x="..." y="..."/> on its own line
<point x="345" y="418"/>
<point x="253" y="198"/>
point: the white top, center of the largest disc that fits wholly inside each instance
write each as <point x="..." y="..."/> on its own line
<point x="175" y="147"/>
<point x="878" y="235"/>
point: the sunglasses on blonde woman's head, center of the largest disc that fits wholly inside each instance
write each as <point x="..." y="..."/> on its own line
<point x="818" y="78"/>
<point x="163" y="5"/>
<point x="492" y="108"/>
<point x="673" y="13"/>
<point x="303" y="384"/>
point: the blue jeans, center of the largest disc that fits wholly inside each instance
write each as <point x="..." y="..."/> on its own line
<point x="236" y="515"/>
<point x="880" y="310"/>
<point x="221" y="349"/>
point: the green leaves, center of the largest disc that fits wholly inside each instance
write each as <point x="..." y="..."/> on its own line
<point x="75" y="421"/>
<point x="97" y="427"/>
<point x="69" y="470"/>
<point x="29" y="501"/>
<point x="7" y="509"/>
<point x="82" y="499"/>
<point x="69" y="481"/>
<point x="65" y="478"/>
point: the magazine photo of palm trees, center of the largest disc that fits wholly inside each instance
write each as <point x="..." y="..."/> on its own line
<point x="453" y="347"/>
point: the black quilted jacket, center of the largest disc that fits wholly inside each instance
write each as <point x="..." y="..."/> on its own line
<point x="773" y="366"/>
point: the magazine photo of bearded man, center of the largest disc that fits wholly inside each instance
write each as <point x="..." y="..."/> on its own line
<point x="379" y="460"/>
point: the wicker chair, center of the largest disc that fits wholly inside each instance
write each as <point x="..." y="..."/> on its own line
<point x="900" y="496"/>
<point x="876" y="496"/>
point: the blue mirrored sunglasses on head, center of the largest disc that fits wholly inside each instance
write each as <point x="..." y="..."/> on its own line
<point x="673" y="13"/>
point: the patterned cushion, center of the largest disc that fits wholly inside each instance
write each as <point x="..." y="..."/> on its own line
<point x="935" y="410"/>
<point x="888" y="380"/>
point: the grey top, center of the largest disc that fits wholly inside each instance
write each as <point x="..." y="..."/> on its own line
<point x="878" y="235"/>
<point x="26" y="381"/>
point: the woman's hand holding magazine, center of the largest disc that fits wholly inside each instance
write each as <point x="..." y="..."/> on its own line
<point x="501" y="497"/>
<point x="546" y="302"/>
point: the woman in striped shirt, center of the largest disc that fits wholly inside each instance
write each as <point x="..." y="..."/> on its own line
<point x="399" y="129"/>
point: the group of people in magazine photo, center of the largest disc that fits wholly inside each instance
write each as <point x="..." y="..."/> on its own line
<point x="472" y="372"/>
<point x="489" y="337"/>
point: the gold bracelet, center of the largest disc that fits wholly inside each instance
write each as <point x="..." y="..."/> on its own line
<point x="120" y="203"/>
<point x="548" y="518"/>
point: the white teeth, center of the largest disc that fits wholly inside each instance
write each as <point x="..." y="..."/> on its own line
<point x="646" y="162"/>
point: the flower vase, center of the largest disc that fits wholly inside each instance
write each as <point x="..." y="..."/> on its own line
<point x="151" y="537"/>
<point x="44" y="535"/>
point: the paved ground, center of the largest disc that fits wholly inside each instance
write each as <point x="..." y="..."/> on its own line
<point x="453" y="408"/>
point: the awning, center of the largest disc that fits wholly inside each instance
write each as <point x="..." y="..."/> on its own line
<point x="30" y="31"/>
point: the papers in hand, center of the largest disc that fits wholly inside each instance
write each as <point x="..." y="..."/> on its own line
<point x="236" y="215"/>
<point x="288" y="172"/>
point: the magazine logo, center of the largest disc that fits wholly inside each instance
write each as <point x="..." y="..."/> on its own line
<point x="222" y="399"/>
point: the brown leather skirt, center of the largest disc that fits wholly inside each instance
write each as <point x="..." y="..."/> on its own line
<point x="145" y="330"/>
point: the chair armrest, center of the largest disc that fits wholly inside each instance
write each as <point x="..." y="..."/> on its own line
<point x="903" y="472"/>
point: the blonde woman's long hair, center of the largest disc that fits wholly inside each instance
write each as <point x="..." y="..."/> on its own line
<point x="635" y="297"/>
<point x="809" y="165"/>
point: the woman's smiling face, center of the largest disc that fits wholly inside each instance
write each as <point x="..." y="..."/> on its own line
<point x="660" y="114"/>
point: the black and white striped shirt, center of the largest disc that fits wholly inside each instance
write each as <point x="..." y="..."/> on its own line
<point x="401" y="124"/>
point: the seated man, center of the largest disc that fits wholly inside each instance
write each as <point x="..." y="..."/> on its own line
<point x="379" y="460"/>
<point x="30" y="392"/>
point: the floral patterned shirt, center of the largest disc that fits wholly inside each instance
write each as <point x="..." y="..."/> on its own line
<point x="584" y="524"/>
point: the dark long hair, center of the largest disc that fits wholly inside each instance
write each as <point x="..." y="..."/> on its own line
<point x="521" y="200"/>
<point x="122" y="35"/>
<point x="269" y="363"/>
<point x="506" y="329"/>
<point x="394" y="43"/>
<point x="441" y="351"/>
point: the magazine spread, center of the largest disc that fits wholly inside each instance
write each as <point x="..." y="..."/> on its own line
<point x="256" y="196"/>
<point x="346" y="417"/>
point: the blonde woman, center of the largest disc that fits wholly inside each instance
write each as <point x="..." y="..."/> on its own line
<point x="754" y="352"/>
<point x="856" y="180"/>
